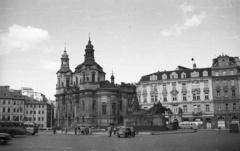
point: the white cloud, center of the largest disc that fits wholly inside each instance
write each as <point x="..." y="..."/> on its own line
<point x="186" y="8"/>
<point x="50" y="65"/>
<point x="20" y="38"/>
<point x="190" y="21"/>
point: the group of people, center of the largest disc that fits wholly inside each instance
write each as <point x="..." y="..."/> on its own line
<point x="111" y="129"/>
<point x="84" y="130"/>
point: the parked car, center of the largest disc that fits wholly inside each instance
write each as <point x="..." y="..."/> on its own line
<point x="233" y="127"/>
<point x="4" y="138"/>
<point x="126" y="131"/>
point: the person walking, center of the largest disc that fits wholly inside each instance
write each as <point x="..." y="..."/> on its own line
<point x="90" y="131"/>
<point x="114" y="130"/>
<point x="219" y="129"/>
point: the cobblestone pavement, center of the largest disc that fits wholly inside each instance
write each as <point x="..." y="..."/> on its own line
<point x="201" y="140"/>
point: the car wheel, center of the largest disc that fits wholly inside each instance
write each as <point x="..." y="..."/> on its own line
<point x="33" y="133"/>
<point x="12" y="133"/>
<point x="3" y="141"/>
<point x="118" y="136"/>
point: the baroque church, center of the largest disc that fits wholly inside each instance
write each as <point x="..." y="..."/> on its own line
<point x="84" y="97"/>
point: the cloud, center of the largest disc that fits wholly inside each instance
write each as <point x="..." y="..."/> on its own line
<point x="50" y="65"/>
<point x="190" y="21"/>
<point x="20" y="38"/>
<point x="186" y="8"/>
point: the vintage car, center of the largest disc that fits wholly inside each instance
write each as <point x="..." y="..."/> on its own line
<point x="4" y="138"/>
<point x="126" y="131"/>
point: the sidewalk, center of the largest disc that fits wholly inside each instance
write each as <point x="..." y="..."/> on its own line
<point x="139" y="133"/>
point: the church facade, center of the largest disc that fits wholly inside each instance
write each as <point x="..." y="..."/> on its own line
<point x="85" y="97"/>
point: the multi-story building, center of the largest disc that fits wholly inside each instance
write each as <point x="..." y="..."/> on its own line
<point x="186" y="92"/>
<point x="14" y="105"/>
<point x="35" y="95"/>
<point x="226" y="91"/>
<point x="11" y="104"/>
<point x="84" y="97"/>
<point x="39" y="112"/>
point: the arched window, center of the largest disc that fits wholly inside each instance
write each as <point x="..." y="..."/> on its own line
<point x="83" y="105"/>
<point x="114" y="108"/>
<point x="76" y="80"/>
<point x="104" y="108"/>
<point x="93" y="77"/>
<point x="83" y="77"/>
<point x="120" y="105"/>
<point x="94" y="105"/>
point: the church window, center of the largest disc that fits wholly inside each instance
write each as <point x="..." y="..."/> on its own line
<point x="104" y="108"/>
<point x="67" y="84"/>
<point x="120" y="105"/>
<point x="83" y="77"/>
<point x="93" y="77"/>
<point x="83" y="105"/>
<point x="94" y="105"/>
<point x="114" y="108"/>
<point x="76" y="80"/>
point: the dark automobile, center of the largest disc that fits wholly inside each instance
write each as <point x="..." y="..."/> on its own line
<point x="4" y="138"/>
<point x="126" y="131"/>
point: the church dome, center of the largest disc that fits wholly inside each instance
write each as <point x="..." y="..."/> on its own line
<point x="89" y="45"/>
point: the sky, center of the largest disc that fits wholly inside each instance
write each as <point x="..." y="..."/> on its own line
<point x="132" y="38"/>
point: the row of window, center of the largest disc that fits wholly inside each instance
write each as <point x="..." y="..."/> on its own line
<point x="227" y="107"/>
<point x="7" y="118"/>
<point x="226" y="93"/>
<point x="174" y="75"/>
<point x="10" y="102"/>
<point x="154" y="98"/>
<point x="34" y="106"/>
<point x="34" y="112"/>
<point x="9" y="110"/>
<point x="195" y="85"/>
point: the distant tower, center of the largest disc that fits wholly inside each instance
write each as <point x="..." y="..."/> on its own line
<point x="89" y="53"/>
<point x="194" y="64"/>
<point x="112" y="78"/>
<point x="62" y="74"/>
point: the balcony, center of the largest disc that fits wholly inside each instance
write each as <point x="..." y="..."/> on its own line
<point x="153" y="92"/>
<point x="206" y="90"/>
<point x="197" y="113"/>
<point x="184" y="90"/>
<point x="196" y="90"/>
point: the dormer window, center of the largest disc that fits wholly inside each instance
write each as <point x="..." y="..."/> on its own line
<point x="164" y="76"/>
<point x="224" y="73"/>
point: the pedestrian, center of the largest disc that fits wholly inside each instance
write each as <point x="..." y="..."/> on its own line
<point x="219" y="129"/>
<point x="66" y="130"/>
<point x="114" y="130"/>
<point x="75" y="128"/>
<point x="109" y="131"/>
<point x="54" y="130"/>
<point x="82" y="130"/>
<point x="90" y="131"/>
<point x="79" y="130"/>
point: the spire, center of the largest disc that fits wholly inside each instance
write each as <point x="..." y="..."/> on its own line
<point x="89" y="52"/>
<point x="112" y="77"/>
<point x="194" y="64"/>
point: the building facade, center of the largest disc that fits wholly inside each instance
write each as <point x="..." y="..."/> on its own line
<point x="35" y="95"/>
<point x="186" y="92"/>
<point x="17" y="107"/>
<point x="39" y="112"/>
<point x="84" y="97"/>
<point x="11" y="104"/>
<point x="226" y="96"/>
